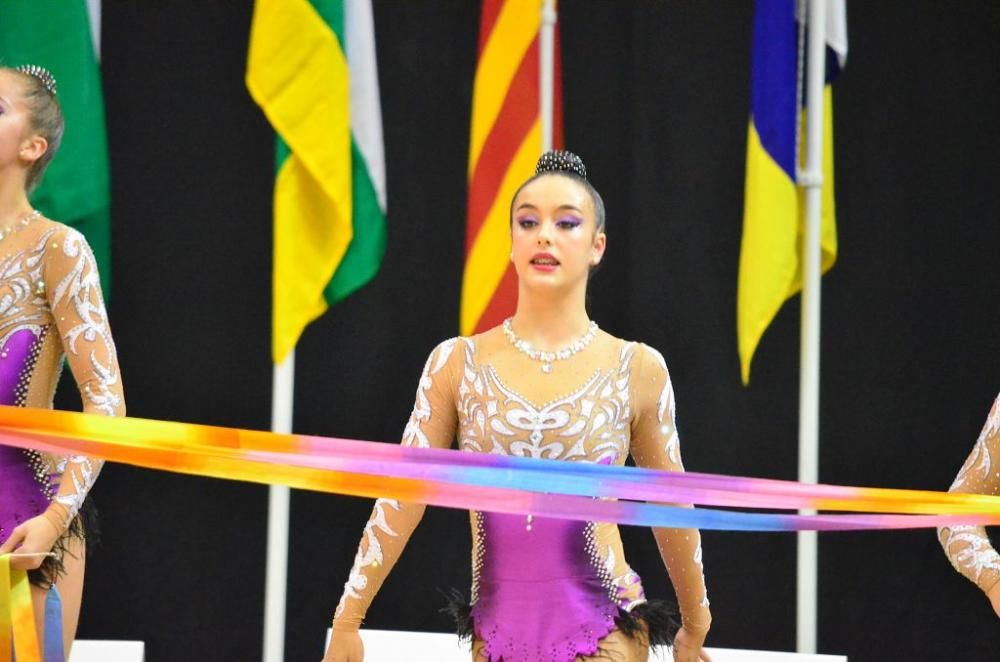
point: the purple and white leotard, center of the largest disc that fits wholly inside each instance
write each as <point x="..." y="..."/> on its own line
<point x="542" y="589"/>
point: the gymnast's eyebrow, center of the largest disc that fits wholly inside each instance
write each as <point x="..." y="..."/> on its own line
<point x="528" y="205"/>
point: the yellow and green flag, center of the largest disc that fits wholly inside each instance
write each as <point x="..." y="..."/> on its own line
<point x="312" y="69"/>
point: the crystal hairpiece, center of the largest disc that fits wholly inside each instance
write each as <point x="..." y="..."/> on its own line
<point x="41" y="73"/>
<point x="561" y="161"/>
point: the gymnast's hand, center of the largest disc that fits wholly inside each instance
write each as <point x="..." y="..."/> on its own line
<point x="34" y="536"/>
<point x="994" y="595"/>
<point x="688" y="646"/>
<point x="345" y="647"/>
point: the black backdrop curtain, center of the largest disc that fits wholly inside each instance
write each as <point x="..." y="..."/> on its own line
<point x="656" y="99"/>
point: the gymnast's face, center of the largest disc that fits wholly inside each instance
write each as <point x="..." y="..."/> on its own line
<point x="19" y="145"/>
<point x="554" y="238"/>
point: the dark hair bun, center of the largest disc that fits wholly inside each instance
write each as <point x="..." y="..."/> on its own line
<point x="563" y="161"/>
<point x="43" y="75"/>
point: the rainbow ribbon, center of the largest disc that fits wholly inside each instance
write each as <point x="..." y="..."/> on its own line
<point x="479" y="481"/>
<point x="17" y="618"/>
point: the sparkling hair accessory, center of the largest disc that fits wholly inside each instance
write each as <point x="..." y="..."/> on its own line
<point x="561" y="161"/>
<point x="41" y="73"/>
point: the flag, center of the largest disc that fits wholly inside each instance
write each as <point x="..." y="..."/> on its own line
<point x="311" y="68"/>
<point x="505" y="143"/>
<point x="774" y="209"/>
<point x="57" y="35"/>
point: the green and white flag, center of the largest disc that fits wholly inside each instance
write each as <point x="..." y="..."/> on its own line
<point x="58" y="35"/>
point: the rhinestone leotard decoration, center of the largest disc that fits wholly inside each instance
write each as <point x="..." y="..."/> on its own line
<point x="542" y="589"/>
<point x="51" y="308"/>
<point x="548" y="358"/>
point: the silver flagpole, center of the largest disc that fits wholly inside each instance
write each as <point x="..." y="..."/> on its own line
<point x="546" y="79"/>
<point x="811" y="179"/>
<point x="94" y="11"/>
<point x="275" y="584"/>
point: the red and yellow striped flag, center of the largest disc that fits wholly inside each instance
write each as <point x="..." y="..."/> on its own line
<point x="506" y="141"/>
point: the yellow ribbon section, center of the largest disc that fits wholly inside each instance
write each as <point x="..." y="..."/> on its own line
<point x="6" y="624"/>
<point x="16" y="616"/>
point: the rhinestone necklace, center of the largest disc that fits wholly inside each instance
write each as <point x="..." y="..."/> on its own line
<point x="17" y="226"/>
<point x="547" y="358"/>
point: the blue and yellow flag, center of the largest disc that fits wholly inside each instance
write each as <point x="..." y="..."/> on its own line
<point x="774" y="210"/>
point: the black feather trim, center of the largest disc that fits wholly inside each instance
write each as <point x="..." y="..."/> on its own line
<point x="83" y="527"/>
